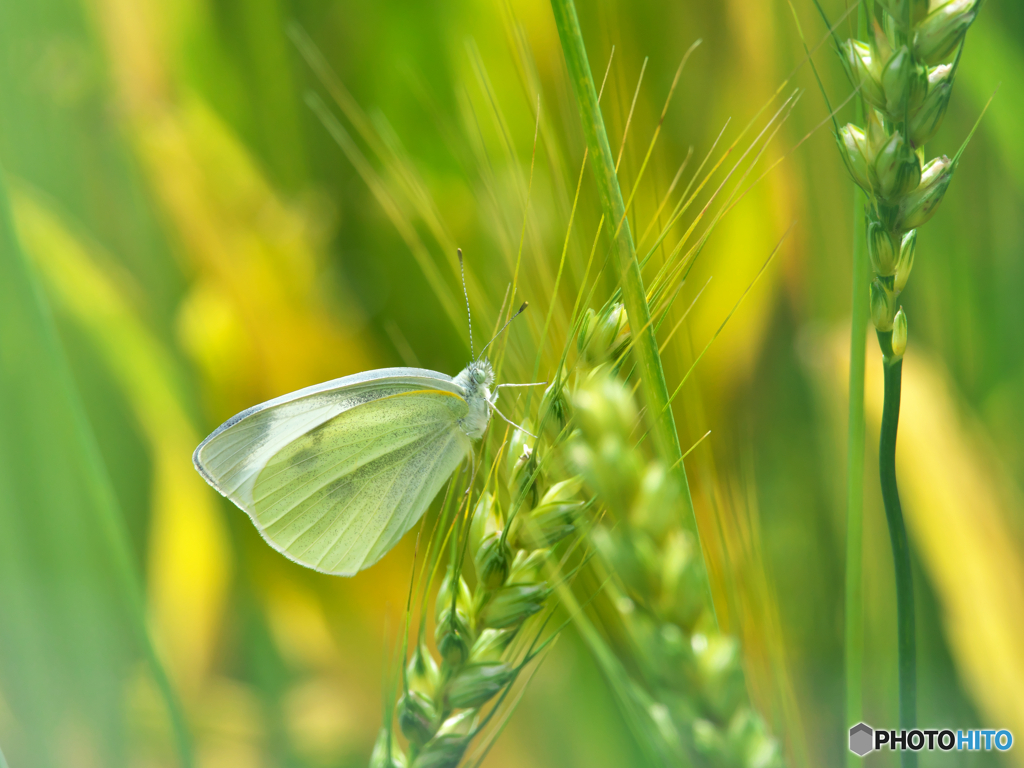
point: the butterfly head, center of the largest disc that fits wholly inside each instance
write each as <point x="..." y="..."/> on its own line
<point x="481" y="373"/>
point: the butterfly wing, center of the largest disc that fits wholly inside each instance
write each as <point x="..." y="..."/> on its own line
<point x="342" y="495"/>
<point x="233" y="458"/>
<point x="235" y="453"/>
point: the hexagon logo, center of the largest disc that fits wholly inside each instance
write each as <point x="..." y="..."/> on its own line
<point x="861" y="739"/>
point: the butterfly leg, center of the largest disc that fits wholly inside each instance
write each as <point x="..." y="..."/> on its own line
<point x="497" y="389"/>
<point x="502" y="386"/>
<point x="504" y="417"/>
<point x="471" y="467"/>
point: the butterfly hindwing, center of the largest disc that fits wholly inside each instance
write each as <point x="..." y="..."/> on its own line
<point x="339" y="496"/>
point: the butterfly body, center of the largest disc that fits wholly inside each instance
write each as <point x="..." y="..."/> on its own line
<point x="333" y="475"/>
<point x="476" y="380"/>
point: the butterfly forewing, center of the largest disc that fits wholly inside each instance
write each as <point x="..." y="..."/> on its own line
<point x="339" y="496"/>
<point x="333" y="475"/>
<point x="232" y="457"/>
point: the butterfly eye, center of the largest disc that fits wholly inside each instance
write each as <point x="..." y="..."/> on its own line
<point x="479" y="376"/>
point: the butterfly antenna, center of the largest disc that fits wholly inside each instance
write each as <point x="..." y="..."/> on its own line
<point x="469" y="315"/>
<point x="506" y="325"/>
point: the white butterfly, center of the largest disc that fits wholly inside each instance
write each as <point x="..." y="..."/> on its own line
<point x="333" y="475"/>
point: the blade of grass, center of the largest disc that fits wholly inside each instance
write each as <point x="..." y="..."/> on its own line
<point x="499" y="362"/>
<point x="629" y="117"/>
<point x="680" y="321"/>
<point x="558" y="276"/>
<point x="391" y="208"/>
<point x="53" y="406"/>
<point x="674" y="264"/>
<point x="854" y="620"/>
<point x="853" y="646"/>
<point x="624" y="253"/>
<point x="491" y="104"/>
<point x="854" y="603"/>
<point x="725" y="322"/>
<point x="657" y="132"/>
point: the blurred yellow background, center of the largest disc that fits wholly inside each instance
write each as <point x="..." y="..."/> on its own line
<point x="193" y="240"/>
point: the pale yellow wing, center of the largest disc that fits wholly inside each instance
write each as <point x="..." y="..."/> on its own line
<point x="341" y="495"/>
<point x="236" y="452"/>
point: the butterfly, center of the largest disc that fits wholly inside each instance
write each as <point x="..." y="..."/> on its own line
<point x="335" y="474"/>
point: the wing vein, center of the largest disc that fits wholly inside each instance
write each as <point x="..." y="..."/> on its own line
<point x="425" y="479"/>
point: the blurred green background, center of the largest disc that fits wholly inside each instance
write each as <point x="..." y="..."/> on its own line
<point x="193" y="241"/>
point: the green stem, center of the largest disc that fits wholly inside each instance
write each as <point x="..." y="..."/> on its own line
<point x="905" y="629"/>
<point x="624" y="252"/>
<point x="854" y="624"/>
<point x="861" y="310"/>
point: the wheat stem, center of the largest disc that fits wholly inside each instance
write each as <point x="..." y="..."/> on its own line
<point x="854" y="605"/>
<point x="902" y="71"/>
<point x="656" y="389"/>
<point x="905" y="629"/>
